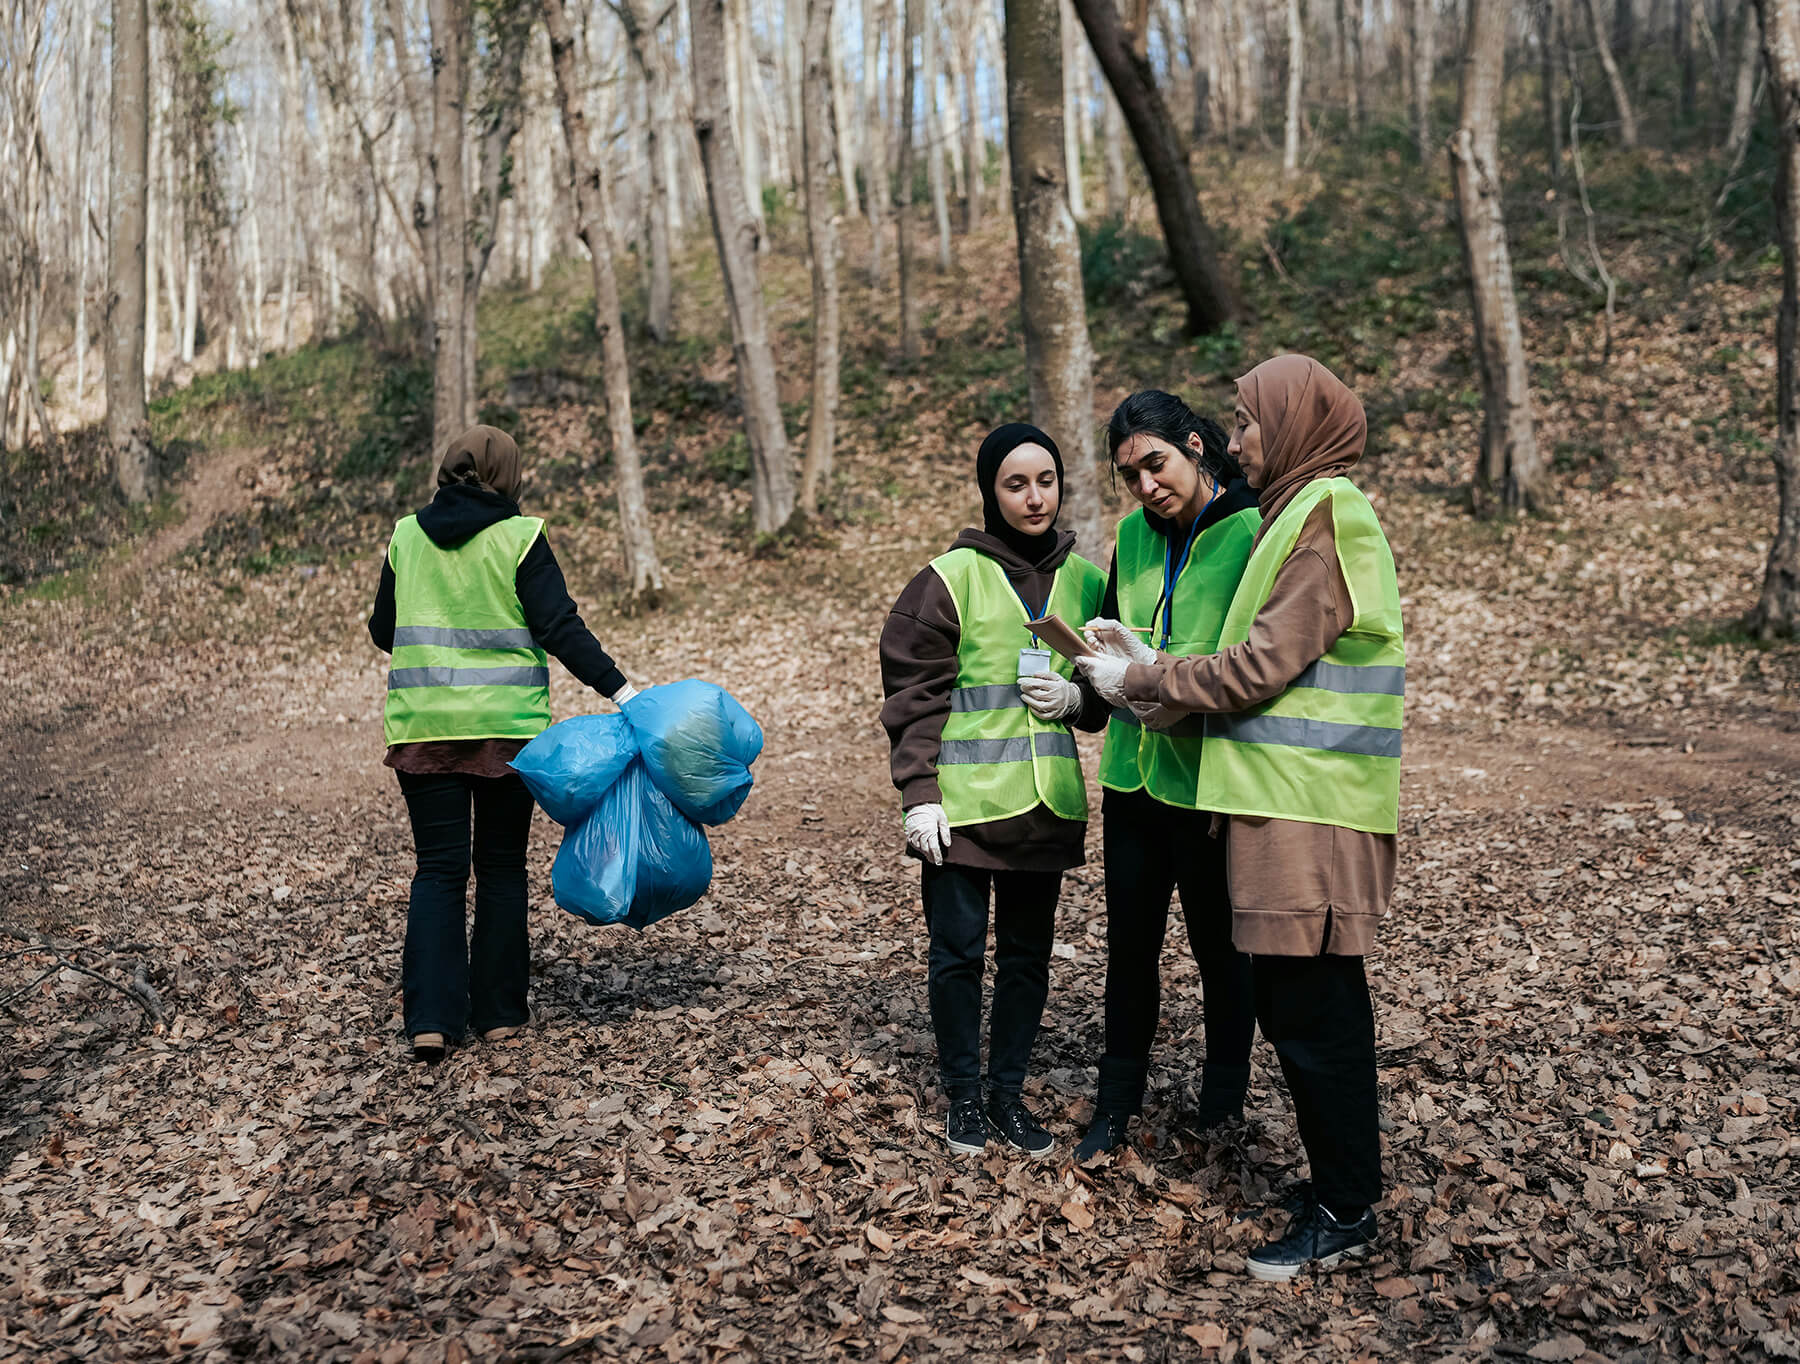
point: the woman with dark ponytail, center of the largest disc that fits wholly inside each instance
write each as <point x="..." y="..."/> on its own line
<point x="1176" y="563"/>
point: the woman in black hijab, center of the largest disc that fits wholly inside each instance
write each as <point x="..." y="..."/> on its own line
<point x="994" y="797"/>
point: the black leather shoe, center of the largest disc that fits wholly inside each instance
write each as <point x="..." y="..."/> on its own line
<point x="428" y="1047"/>
<point x="1105" y="1134"/>
<point x="1012" y="1125"/>
<point x="966" y="1129"/>
<point x="1314" y="1240"/>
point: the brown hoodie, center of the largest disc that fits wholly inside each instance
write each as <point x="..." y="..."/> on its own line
<point x="1297" y="889"/>
<point x="918" y="672"/>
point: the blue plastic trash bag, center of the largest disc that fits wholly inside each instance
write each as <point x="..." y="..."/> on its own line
<point x="634" y="860"/>
<point x="698" y="744"/>
<point x="571" y="765"/>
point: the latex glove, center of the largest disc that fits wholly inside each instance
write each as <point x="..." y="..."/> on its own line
<point x="928" y="832"/>
<point x="1110" y="637"/>
<point x="624" y="694"/>
<point x="1050" y="697"/>
<point x="1106" y="675"/>
<point x="1155" y="715"/>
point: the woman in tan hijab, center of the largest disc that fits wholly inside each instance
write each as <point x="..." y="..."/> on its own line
<point x="1302" y="752"/>
<point x="471" y="600"/>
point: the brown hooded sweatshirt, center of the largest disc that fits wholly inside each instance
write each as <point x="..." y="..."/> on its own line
<point x="1297" y="889"/>
<point x="918" y="673"/>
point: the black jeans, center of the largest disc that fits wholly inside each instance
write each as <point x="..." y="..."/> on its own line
<point x="448" y="985"/>
<point x="1152" y="848"/>
<point x="1317" y="1014"/>
<point x="956" y="912"/>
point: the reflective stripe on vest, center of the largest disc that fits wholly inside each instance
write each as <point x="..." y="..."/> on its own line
<point x="465" y="664"/>
<point x="995" y="758"/>
<point x="1167" y="763"/>
<point x="1327" y="749"/>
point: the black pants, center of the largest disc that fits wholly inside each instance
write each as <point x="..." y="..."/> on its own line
<point x="1317" y="1014"/>
<point x="956" y="912"/>
<point x="449" y="985"/>
<point x="1152" y="848"/>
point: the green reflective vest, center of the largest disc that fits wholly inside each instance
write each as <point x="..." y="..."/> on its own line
<point x="465" y="665"/>
<point x="1327" y="750"/>
<point x="996" y="759"/>
<point x="1167" y="764"/>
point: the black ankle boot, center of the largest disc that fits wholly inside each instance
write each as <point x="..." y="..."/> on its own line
<point x="1222" y="1090"/>
<point x="1117" y="1100"/>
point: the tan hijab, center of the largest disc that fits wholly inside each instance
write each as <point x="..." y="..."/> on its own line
<point x="483" y="455"/>
<point x="1312" y="426"/>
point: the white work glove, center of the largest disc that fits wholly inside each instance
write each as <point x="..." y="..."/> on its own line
<point x="1110" y="637"/>
<point x="624" y="694"/>
<point x="1106" y="675"/>
<point x="1050" y="697"/>
<point x="928" y="832"/>
<point x="1155" y="715"/>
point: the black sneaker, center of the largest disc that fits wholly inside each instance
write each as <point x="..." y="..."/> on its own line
<point x="1314" y="1239"/>
<point x="1011" y="1123"/>
<point x="965" y="1129"/>
<point x="1105" y="1134"/>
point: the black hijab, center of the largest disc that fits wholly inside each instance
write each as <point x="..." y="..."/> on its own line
<point x="1000" y="443"/>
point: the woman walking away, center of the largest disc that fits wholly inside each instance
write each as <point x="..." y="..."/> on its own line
<point x="470" y="601"/>
<point x="994" y="797"/>
<point x="1303" y="702"/>
<point x="1176" y="563"/>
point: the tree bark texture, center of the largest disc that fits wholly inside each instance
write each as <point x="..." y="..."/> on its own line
<point x="452" y="405"/>
<point x="1777" y="612"/>
<point x="1193" y="252"/>
<point x="127" y="413"/>
<point x="1424" y="63"/>
<point x="640" y="34"/>
<point x="903" y="190"/>
<point x="1743" y="95"/>
<point x="637" y="541"/>
<point x="934" y="139"/>
<point x="821" y="240"/>
<point x="1548" y="39"/>
<point x="1509" y="475"/>
<point x="875" y="137"/>
<point x="1628" y="135"/>
<point x="1058" y="352"/>
<point x="736" y="235"/>
<point x="1296" y="74"/>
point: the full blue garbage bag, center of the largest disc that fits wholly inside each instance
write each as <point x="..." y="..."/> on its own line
<point x="697" y="743"/>
<point x="571" y="765"/>
<point x="634" y="859"/>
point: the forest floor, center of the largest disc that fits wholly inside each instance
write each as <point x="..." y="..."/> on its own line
<point x="721" y="1139"/>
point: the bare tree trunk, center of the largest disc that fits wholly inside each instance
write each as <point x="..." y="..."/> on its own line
<point x="640" y="33"/>
<point x="847" y="133"/>
<point x="127" y="414"/>
<point x="735" y="233"/>
<point x="1424" y="63"/>
<point x="875" y="142"/>
<point x="636" y="540"/>
<point x="1071" y="65"/>
<point x="1743" y="99"/>
<point x="1350" y="63"/>
<point x="968" y="42"/>
<point x="1686" y="58"/>
<point x="903" y="193"/>
<point x="1058" y="353"/>
<point x="821" y="238"/>
<point x="1193" y="252"/>
<point x="1777" y="612"/>
<point x="934" y="143"/>
<point x="1202" y="55"/>
<point x="1628" y="134"/>
<point x="1290" y="142"/>
<point x="1112" y="140"/>
<point x="451" y="406"/>
<point x="1509" y="474"/>
<point x="1548" y="41"/>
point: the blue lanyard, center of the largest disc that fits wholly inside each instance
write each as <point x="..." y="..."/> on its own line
<point x="1172" y="571"/>
<point x="1030" y="615"/>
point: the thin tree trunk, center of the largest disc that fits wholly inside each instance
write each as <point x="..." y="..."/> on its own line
<point x="903" y="193"/>
<point x="1071" y="119"/>
<point x="1290" y="142"/>
<point x="847" y="135"/>
<point x="451" y="406"/>
<point x="640" y="34"/>
<point x="1777" y="611"/>
<point x="968" y="37"/>
<point x="1424" y="63"/>
<point x="127" y="413"/>
<point x="934" y="143"/>
<point x="1548" y="41"/>
<point x="735" y="233"/>
<point x="1058" y="353"/>
<point x="1628" y="133"/>
<point x="1686" y="58"/>
<point x="1112" y="139"/>
<point x="821" y="239"/>
<point x="1193" y="253"/>
<point x="1509" y="474"/>
<point x="636" y="540"/>
<point x="1349" y="28"/>
<point x="1202" y="54"/>
<point x="1743" y="99"/>
<point x="875" y="141"/>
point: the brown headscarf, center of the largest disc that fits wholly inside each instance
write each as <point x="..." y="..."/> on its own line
<point x="1312" y="426"/>
<point x="483" y="455"/>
